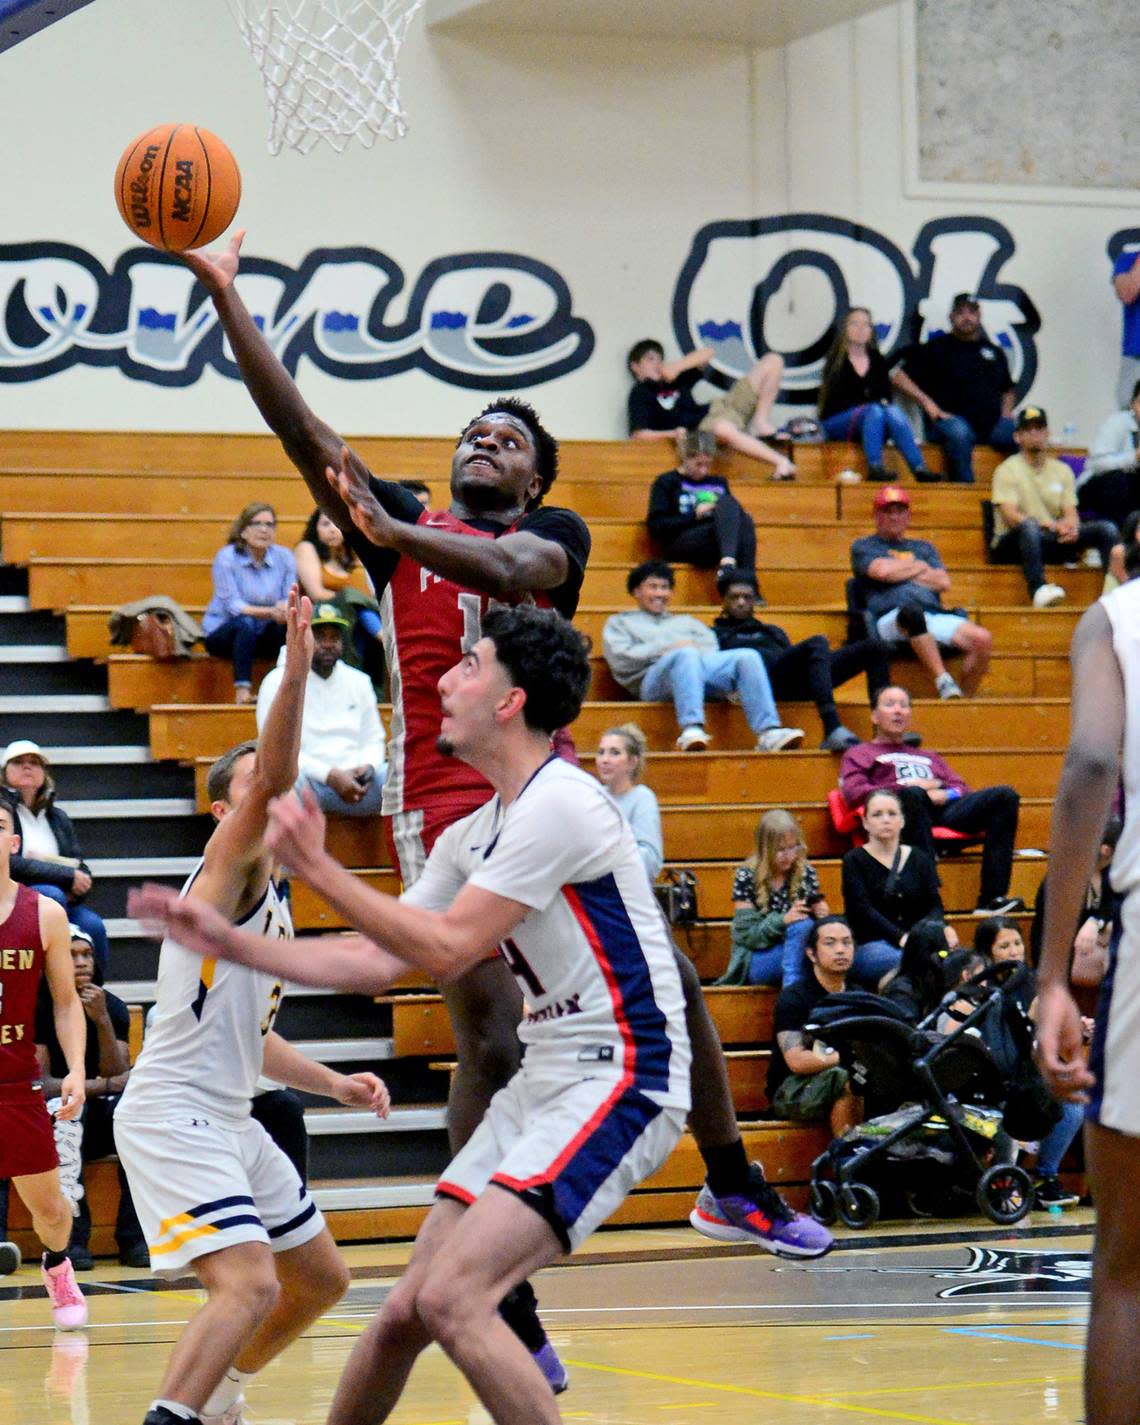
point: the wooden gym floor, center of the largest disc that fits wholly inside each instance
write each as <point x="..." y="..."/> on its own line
<point x="946" y="1323"/>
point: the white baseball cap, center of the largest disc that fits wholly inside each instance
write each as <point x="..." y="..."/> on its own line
<point x="23" y="747"/>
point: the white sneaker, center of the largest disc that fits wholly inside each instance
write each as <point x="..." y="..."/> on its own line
<point x="693" y="739"/>
<point x="775" y="739"/>
<point x="1092" y="559"/>
<point x="1048" y="595"/>
<point x="947" y="687"/>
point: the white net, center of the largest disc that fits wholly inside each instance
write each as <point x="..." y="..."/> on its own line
<point x="329" y="68"/>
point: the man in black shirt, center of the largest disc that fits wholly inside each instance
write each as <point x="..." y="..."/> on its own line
<point x="695" y="517"/>
<point x="108" y="1064"/>
<point x="810" y="669"/>
<point x="805" y="1080"/>
<point x="961" y="380"/>
<point x="661" y="404"/>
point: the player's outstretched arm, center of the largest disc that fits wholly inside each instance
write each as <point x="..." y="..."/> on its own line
<point x="1084" y="796"/>
<point x="287" y="1065"/>
<point x="67" y="1010"/>
<point x="309" y="443"/>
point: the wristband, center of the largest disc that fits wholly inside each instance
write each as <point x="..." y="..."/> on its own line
<point x="952" y="793"/>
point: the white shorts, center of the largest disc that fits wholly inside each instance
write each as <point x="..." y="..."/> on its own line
<point x="942" y="626"/>
<point x="1115" y="1054"/>
<point x="573" y="1151"/>
<point x="198" y="1187"/>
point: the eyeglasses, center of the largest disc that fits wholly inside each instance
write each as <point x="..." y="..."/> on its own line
<point x="262" y="524"/>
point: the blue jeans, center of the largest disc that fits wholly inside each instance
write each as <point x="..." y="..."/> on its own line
<point x="784" y="962"/>
<point x="1031" y="546"/>
<point x="687" y="674"/>
<point x="957" y="438"/>
<point x="1056" y="1142"/>
<point x="86" y="920"/>
<point x="873" y="960"/>
<point x="874" y="425"/>
<point x="243" y="638"/>
<point x="328" y="801"/>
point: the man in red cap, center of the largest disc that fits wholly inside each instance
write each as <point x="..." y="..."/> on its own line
<point x="900" y="582"/>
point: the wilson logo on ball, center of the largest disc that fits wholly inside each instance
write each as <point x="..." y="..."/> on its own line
<point x="177" y="187"/>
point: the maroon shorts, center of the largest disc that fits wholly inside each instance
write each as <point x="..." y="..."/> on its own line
<point x="27" y="1141"/>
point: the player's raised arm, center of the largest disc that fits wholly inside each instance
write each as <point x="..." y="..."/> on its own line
<point x="308" y="442"/>
<point x="67" y="1009"/>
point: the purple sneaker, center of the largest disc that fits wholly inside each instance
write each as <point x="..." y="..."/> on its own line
<point x="762" y="1217"/>
<point x="546" y="1358"/>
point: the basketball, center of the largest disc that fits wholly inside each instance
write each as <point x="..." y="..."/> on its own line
<point x="177" y="186"/>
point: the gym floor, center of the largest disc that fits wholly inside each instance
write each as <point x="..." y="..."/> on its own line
<point x="947" y="1323"/>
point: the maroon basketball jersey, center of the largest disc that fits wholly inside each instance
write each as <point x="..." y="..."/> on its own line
<point x="428" y="623"/>
<point x="21" y="969"/>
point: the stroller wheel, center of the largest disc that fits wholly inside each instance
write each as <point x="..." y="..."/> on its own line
<point x="1005" y="1193"/>
<point x="821" y="1202"/>
<point x="858" y="1205"/>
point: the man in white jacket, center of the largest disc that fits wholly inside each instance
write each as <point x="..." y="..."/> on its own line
<point x="1109" y="485"/>
<point x="342" y="739"/>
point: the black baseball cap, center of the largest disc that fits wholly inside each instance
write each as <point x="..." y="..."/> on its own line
<point x="964" y="299"/>
<point x="1030" y="417"/>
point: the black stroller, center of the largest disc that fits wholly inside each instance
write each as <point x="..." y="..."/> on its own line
<point x="938" y="1147"/>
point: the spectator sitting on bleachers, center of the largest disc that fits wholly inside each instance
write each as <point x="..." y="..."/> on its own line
<point x="660" y="403"/>
<point x="325" y="567"/>
<point x="1035" y="511"/>
<point x="901" y="582"/>
<point x="108" y="1066"/>
<point x="919" y="983"/>
<point x="931" y="794"/>
<point x="888" y="889"/>
<point x="810" y="669"/>
<point x="252" y="576"/>
<point x="50" y="858"/>
<point x="855" y="398"/>
<point x="342" y="739"/>
<point x="740" y="418"/>
<point x="1093" y="931"/>
<point x="999" y="941"/>
<point x="620" y="764"/>
<point x="1109" y="484"/>
<point x="656" y="655"/>
<point x="806" y="1082"/>
<point x="695" y="517"/>
<point x="961" y="380"/>
<point x="776" y="899"/>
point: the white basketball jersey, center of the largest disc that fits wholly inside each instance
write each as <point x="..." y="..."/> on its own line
<point x="1122" y="606"/>
<point x="203" y="1052"/>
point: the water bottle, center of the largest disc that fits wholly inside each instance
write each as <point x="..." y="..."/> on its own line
<point x="1068" y="435"/>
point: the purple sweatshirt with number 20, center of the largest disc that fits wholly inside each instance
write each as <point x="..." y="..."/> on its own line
<point x="878" y="766"/>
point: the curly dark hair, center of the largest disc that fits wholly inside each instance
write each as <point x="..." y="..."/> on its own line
<point x="309" y="536"/>
<point x="545" y="446"/>
<point x="649" y="569"/>
<point x="546" y="657"/>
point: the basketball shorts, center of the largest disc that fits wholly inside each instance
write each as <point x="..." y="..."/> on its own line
<point x="573" y="1151"/>
<point x="1114" y="1058"/>
<point x="27" y="1141"/>
<point x="198" y="1188"/>
<point x="412" y="834"/>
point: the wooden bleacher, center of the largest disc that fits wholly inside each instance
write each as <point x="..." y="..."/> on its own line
<point x="101" y="518"/>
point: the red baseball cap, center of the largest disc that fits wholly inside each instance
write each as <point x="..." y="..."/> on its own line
<point x="891" y="495"/>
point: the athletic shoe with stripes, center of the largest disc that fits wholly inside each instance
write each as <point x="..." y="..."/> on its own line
<point x="762" y="1217"/>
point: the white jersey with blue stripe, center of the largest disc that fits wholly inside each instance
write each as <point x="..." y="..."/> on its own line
<point x="203" y="1052"/>
<point x="593" y="957"/>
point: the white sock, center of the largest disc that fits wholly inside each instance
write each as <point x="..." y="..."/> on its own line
<point x="231" y="1386"/>
<point x="175" y="1407"/>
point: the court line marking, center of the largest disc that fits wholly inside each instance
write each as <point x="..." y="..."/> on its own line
<point x="992" y="1335"/>
<point x="958" y="1385"/>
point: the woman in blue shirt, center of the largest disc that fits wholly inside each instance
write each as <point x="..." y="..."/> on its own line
<point x="245" y="619"/>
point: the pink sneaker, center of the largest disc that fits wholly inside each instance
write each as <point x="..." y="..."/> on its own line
<point x="68" y="1308"/>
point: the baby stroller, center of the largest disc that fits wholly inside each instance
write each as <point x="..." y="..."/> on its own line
<point x="938" y="1144"/>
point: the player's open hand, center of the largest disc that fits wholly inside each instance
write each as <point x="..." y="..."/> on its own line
<point x="368" y="514"/>
<point x="1060" y="1035"/>
<point x="298" y="632"/>
<point x="364" y="1091"/>
<point x="216" y="270"/>
<point x="192" y="923"/>
<point x="72" y="1093"/>
<point x="296" y="833"/>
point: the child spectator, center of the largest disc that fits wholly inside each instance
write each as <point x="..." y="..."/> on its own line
<point x="620" y="763"/>
<point x="776" y="900"/>
<point x="661" y="404"/>
<point x="855" y="398"/>
<point x="888" y="889"/>
<point x="918" y="986"/>
<point x="695" y="517"/>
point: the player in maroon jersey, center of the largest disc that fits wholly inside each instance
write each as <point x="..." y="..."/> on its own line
<point x="35" y="941"/>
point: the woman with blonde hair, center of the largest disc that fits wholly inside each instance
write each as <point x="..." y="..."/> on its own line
<point x="855" y="398"/>
<point x="620" y="763"/>
<point x="252" y="578"/>
<point x="776" y="899"/>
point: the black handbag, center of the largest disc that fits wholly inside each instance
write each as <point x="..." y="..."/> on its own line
<point x="677" y="897"/>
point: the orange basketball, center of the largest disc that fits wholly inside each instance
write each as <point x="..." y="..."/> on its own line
<point x="177" y="186"/>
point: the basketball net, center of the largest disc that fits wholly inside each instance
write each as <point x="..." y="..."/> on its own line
<point x="329" y="68"/>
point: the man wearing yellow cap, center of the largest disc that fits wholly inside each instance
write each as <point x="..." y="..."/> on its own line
<point x="1035" y="511"/>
